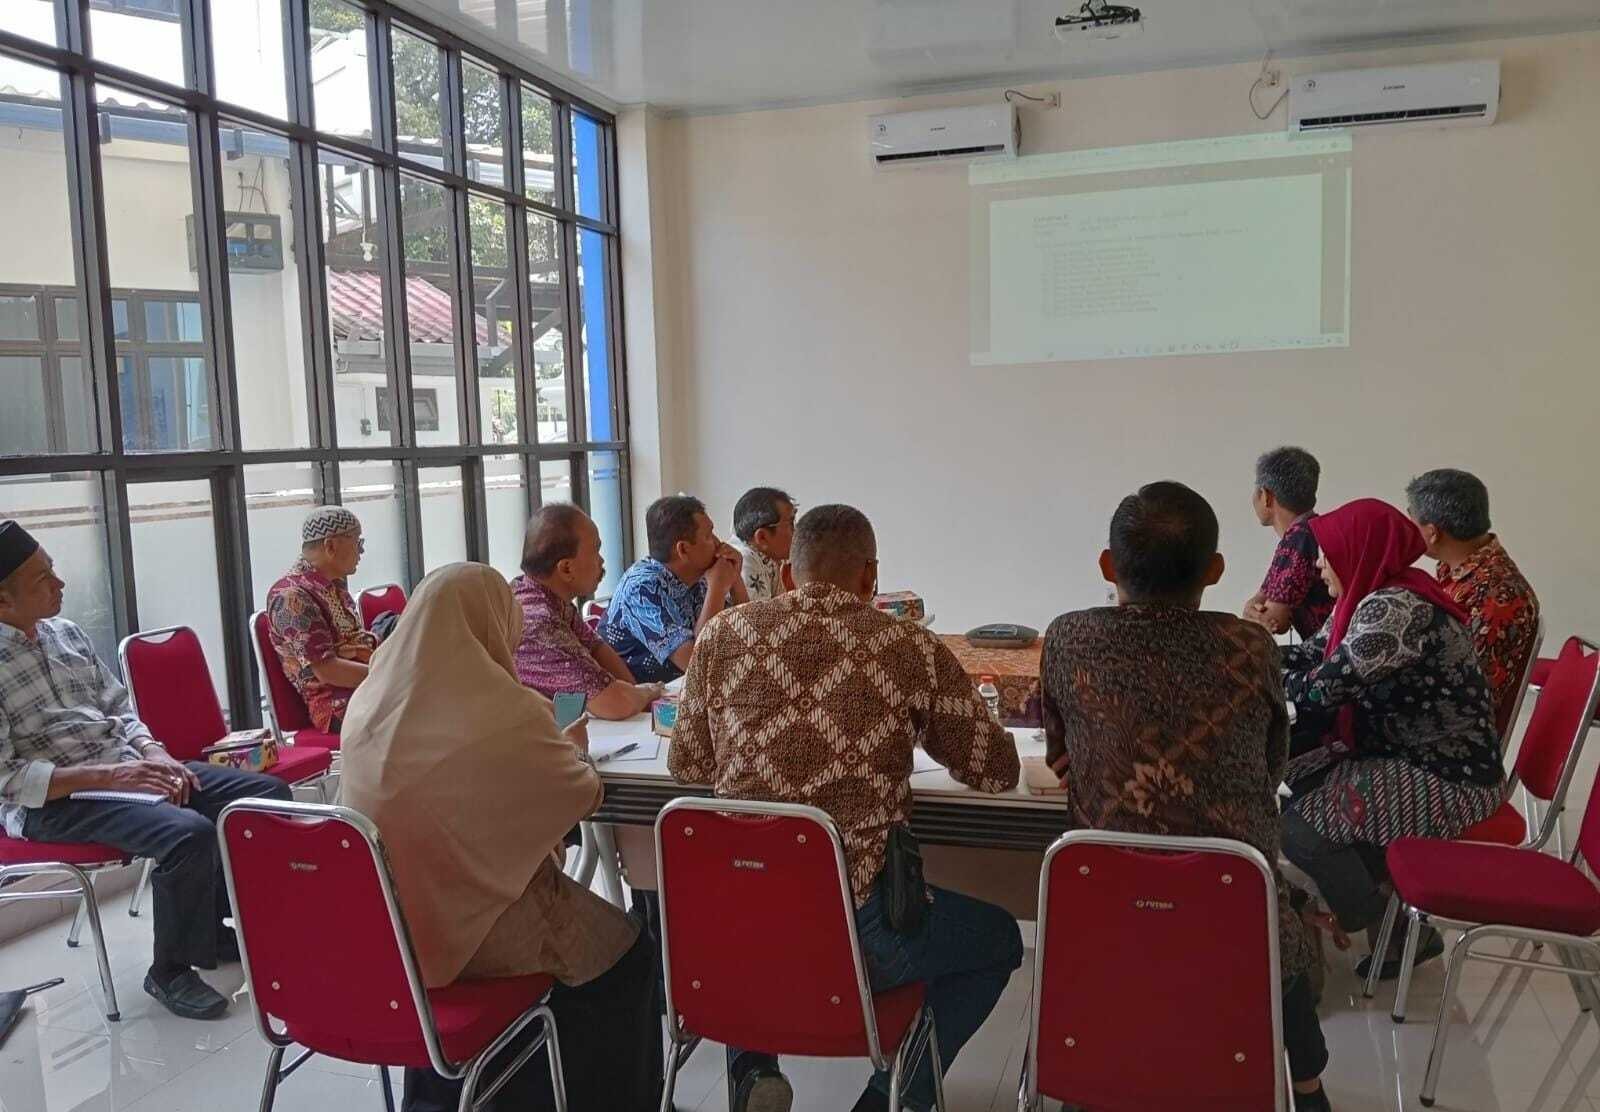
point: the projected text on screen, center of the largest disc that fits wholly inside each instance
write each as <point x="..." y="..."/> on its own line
<point x="1194" y="247"/>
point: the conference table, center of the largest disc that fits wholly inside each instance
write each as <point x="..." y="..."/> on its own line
<point x="989" y="846"/>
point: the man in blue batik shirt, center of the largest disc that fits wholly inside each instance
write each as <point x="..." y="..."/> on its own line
<point x="665" y="599"/>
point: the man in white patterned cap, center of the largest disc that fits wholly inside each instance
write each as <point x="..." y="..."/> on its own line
<point x="313" y="622"/>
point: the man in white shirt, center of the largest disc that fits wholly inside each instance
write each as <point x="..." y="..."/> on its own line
<point x="66" y="726"/>
<point x="763" y="520"/>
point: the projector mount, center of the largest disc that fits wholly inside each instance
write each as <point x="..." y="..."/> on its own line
<point x="1100" y="20"/>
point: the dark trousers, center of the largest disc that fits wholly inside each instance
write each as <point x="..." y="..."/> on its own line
<point x="1348" y="876"/>
<point x="966" y="951"/>
<point x="1302" y="1031"/>
<point x="189" y="896"/>
<point x="611" y="1054"/>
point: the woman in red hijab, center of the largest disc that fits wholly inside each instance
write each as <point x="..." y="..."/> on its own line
<point x="1413" y="749"/>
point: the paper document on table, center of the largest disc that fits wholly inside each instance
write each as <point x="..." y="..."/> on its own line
<point x="610" y="751"/>
<point x="921" y="762"/>
<point x="675" y="687"/>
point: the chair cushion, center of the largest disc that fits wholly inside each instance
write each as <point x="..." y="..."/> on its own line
<point x="1506" y="827"/>
<point x="318" y="738"/>
<point x="897" y="1010"/>
<point x="470" y="1015"/>
<point x="300" y="762"/>
<point x="1478" y="883"/>
<point x="20" y="851"/>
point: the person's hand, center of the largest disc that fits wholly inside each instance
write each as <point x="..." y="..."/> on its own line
<point x="650" y="692"/>
<point x="156" y="777"/>
<point x="724" y="571"/>
<point x="578" y="733"/>
<point x="190" y="782"/>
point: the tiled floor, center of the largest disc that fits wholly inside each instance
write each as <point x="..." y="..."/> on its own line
<point x="1521" y="1045"/>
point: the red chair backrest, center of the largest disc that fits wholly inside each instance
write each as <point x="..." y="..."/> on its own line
<point x="592" y="613"/>
<point x="1510" y="705"/>
<point x="756" y="931"/>
<point x="1560" y="720"/>
<point x="1157" y="980"/>
<point x="172" y="690"/>
<point x="287" y="866"/>
<point x="380" y="600"/>
<point x="288" y="709"/>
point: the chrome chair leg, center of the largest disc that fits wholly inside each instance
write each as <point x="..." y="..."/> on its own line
<point x="269" y="1088"/>
<point x="89" y="908"/>
<point x="1408" y="962"/>
<point x="76" y="930"/>
<point x="136" y="904"/>
<point x="673" y="1061"/>
<point x="935" y="1061"/>
<point x="1455" y="960"/>
<point x="558" y="1080"/>
<point x="897" y="1071"/>
<point x="386" y="1087"/>
<point x="1380" y="951"/>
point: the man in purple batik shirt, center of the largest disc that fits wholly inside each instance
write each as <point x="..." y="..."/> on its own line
<point x="558" y="652"/>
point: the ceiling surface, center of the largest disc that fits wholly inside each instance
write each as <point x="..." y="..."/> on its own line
<point x="718" y="55"/>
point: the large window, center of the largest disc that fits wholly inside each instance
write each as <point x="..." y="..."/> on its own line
<point x="316" y="254"/>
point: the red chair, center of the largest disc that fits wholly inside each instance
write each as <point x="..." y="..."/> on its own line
<point x="1506" y="716"/>
<point x="388" y="599"/>
<point x="759" y="946"/>
<point x="593" y="611"/>
<point x="169" y="685"/>
<point x="77" y="862"/>
<point x="1516" y="893"/>
<point x="1551" y="747"/>
<point x="286" y="711"/>
<point x="356" y="993"/>
<point x="1155" y="977"/>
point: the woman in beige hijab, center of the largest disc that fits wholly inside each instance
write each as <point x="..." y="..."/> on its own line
<point x="472" y="787"/>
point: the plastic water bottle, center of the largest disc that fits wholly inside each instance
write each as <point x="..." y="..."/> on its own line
<point x="990" y="695"/>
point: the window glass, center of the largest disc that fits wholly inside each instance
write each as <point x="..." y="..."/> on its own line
<point x="605" y="506"/>
<point x="168" y="519"/>
<point x="431" y="306"/>
<point x="588" y="154"/>
<point x="372" y="491"/>
<point x="483" y="123"/>
<point x="341" y="89"/>
<point x="145" y="36"/>
<point x="538" y="147"/>
<point x="548" y="328"/>
<point x="277" y="497"/>
<point x="65" y="514"/>
<point x="506" y="495"/>
<point x="357" y="283"/>
<point x="594" y="348"/>
<point x="247" y="54"/>
<point x="38" y="271"/>
<point x="149" y="203"/>
<point x="269" y="330"/>
<point x="418" y="102"/>
<point x="555" y="481"/>
<point x="34" y="19"/>
<point x="444" y="530"/>
<point x="494" y="314"/>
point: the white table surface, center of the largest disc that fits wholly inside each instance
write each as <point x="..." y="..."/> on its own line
<point x="934" y="784"/>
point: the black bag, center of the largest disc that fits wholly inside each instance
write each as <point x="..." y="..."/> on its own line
<point x="901" y="885"/>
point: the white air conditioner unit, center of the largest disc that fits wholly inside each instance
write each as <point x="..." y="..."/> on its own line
<point x="1448" y="94"/>
<point x="943" y="133"/>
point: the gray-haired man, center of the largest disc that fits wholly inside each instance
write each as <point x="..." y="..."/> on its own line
<point x="313" y="622"/>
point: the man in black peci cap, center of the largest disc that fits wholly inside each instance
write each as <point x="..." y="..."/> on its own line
<point x="66" y="726"/>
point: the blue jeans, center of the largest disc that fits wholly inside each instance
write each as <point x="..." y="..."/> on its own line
<point x="966" y="951"/>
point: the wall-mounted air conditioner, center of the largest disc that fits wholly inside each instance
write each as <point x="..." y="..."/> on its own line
<point x="943" y="133"/>
<point x="1449" y="94"/>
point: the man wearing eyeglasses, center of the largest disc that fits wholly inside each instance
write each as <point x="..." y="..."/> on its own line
<point x="763" y="520"/>
<point x="313" y="622"/>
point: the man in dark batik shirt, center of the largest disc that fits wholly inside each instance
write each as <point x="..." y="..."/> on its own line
<point x="1293" y="595"/>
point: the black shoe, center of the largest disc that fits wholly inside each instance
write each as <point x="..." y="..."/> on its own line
<point x="1313" y="1102"/>
<point x="1430" y="946"/>
<point x="763" y="1089"/>
<point x="187" y="996"/>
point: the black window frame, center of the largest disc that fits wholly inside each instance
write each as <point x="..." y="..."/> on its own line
<point x="211" y="122"/>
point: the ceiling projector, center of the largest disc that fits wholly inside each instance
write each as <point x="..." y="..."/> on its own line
<point x="1100" y="20"/>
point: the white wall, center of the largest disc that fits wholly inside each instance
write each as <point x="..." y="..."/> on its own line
<point x="823" y="311"/>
